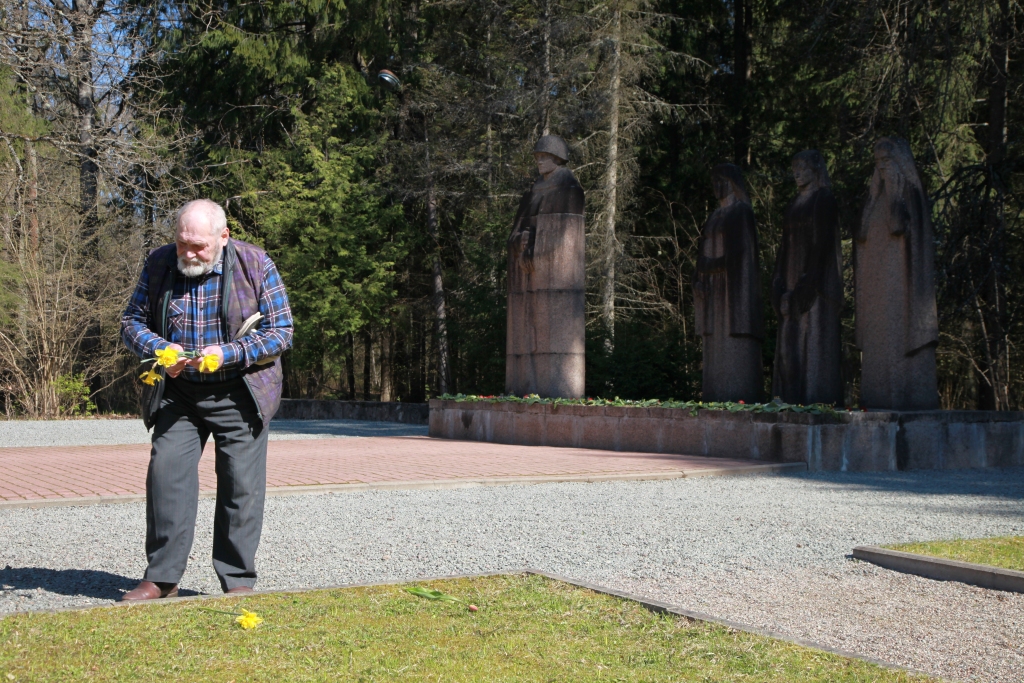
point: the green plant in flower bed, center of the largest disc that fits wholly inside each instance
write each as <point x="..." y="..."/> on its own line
<point x="775" y="406"/>
<point x="525" y="628"/>
<point x="1006" y="552"/>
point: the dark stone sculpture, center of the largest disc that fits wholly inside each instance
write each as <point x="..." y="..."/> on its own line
<point x="726" y="295"/>
<point x="546" y="282"/>
<point x="807" y="290"/>
<point x="897" y="326"/>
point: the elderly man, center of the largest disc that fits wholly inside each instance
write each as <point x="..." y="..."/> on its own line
<point x="213" y="295"/>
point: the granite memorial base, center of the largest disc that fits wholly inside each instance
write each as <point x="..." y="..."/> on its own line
<point x="848" y="442"/>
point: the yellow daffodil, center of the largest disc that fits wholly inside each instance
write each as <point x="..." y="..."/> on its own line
<point x="209" y="363"/>
<point x="248" y="620"/>
<point x="167" y="357"/>
<point x="150" y="377"/>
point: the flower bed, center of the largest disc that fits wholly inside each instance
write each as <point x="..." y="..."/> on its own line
<point x="775" y="406"/>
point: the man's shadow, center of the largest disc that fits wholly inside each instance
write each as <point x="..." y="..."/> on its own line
<point x="87" y="583"/>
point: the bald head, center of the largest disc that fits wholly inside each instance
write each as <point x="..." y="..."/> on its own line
<point x="201" y="234"/>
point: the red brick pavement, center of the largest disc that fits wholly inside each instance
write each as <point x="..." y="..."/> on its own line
<point x="41" y="473"/>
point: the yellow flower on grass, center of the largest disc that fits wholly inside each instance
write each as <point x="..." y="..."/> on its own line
<point x="150" y="377"/>
<point x="248" y="619"/>
<point x="209" y="363"/>
<point x="167" y="357"/>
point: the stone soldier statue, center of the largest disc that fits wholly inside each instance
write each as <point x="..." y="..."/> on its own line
<point x="897" y="326"/>
<point x="546" y="279"/>
<point x="726" y="295"/>
<point x="807" y="290"/>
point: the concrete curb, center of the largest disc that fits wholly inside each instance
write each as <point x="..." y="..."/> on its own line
<point x="655" y="606"/>
<point x="940" y="569"/>
<point x="426" y="484"/>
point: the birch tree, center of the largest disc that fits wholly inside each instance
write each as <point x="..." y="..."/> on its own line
<point x="78" y="146"/>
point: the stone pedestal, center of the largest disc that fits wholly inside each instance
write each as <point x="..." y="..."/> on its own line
<point x="846" y="442"/>
<point x="546" y="312"/>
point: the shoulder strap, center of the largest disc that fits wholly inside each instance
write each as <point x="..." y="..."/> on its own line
<point x="165" y="304"/>
<point x="227" y="278"/>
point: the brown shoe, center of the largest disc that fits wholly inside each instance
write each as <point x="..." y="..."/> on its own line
<point x="147" y="590"/>
<point x="238" y="589"/>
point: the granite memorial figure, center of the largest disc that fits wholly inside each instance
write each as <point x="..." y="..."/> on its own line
<point x="807" y="290"/>
<point x="897" y="326"/>
<point x="546" y="282"/>
<point x="726" y="295"/>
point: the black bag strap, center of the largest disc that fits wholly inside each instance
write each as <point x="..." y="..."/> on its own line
<point x="172" y="273"/>
<point x="227" y="277"/>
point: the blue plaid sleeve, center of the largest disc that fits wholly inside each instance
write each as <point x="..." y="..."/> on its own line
<point x="274" y="334"/>
<point x="135" y="332"/>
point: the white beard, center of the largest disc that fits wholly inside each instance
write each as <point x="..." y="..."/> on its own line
<point x="196" y="267"/>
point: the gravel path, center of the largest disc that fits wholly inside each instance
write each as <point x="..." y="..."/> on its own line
<point x="767" y="550"/>
<point x="100" y="432"/>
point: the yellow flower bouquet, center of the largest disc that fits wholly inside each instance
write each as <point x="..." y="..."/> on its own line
<point x="168" y="357"/>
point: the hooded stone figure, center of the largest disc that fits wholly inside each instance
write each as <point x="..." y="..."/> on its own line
<point x="726" y="295"/>
<point x="897" y="326"/>
<point x="546" y="282"/>
<point x="807" y="290"/>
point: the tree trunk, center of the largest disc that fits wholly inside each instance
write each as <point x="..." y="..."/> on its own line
<point x="412" y="368"/>
<point x="350" y="365"/>
<point x="367" y="363"/>
<point x="287" y="372"/>
<point x="421" y="358"/>
<point x="32" y="203"/>
<point x="549" y="78"/>
<point x="742" y="18"/>
<point x="31" y="158"/>
<point x="437" y="282"/>
<point x="82" y="24"/>
<point x="611" y="187"/>
<point x="386" y="361"/>
<point x="490" y="138"/>
<point x="437" y="298"/>
<point x="997" y="86"/>
<point x="993" y="387"/>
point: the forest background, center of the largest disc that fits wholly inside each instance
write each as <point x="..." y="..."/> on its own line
<point x="387" y="208"/>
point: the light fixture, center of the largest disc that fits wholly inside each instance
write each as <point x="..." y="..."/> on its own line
<point x="389" y="79"/>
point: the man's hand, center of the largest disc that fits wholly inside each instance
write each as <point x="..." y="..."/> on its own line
<point x="175" y="370"/>
<point x="216" y="351"/>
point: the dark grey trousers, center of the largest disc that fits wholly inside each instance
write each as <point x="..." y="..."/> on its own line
<point x="189" y="414"/>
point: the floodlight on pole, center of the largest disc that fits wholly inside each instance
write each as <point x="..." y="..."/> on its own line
<point x="389" y="79"/>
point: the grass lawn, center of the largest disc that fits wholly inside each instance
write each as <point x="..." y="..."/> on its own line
<point x="1006" y="551"/>
<point x="528" y="628"/>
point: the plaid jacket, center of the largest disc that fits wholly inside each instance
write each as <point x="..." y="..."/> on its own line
<point x="194" y="313"/>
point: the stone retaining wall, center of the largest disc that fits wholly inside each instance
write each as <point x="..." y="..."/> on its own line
<point x="376" y="411"/>
<point x="862" y="441"/>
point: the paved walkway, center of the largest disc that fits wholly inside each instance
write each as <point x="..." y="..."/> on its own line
<point x="113" y="473"/>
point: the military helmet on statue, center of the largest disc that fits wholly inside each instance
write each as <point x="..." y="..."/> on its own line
<point x="553" y="145"/>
